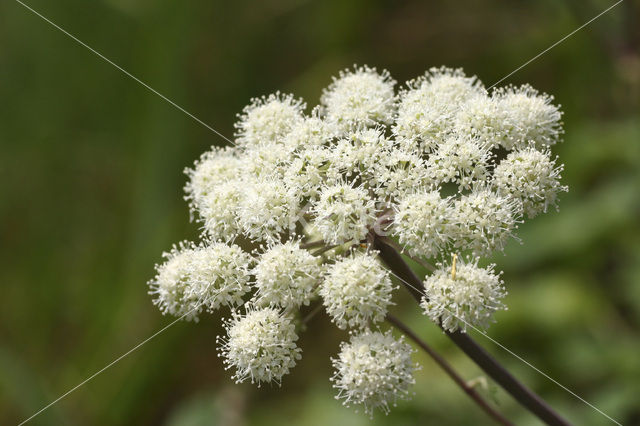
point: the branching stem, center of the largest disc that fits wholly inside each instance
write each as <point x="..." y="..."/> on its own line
<point x="312" y="244"/>
<point x="469" y="390"/>
<point x="477" y="353"/>
<point x="399" y="249"/>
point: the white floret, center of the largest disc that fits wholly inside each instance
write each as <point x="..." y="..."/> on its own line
<point x="343" y="213"/>
<point x="260" y="346"/>
<point x="213" y="168"/>
<point x="267" y="210"/>
<point x="374" y="370"/>
<point x="465" y="297"/>
<point x="531" y="177"/>
<point x="201" y="277"/>
<point x="220" y="275"/>
<point x="399" y="173"/>
<point x="308" y="171"/>
<point x="311" y="131"/>
<point x="484" y="221"/>
<point x="359" y="97"/>
<point x="219" y="208"/>
<point x="460" y="159"/>
<point x="286" y="276"/>
<point x="429" y="104"/>
<point x="172" y="284"/>
<point x="481" y="117"/>
<point x="358" y="155"/>
<point x="356" y="291"/>
<point x="268" y="119"/>
<point x="529" y="117"/>
<point x="423" y="223"/>
<point x="267" y="160"/>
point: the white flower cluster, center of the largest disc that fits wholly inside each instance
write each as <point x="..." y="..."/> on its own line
<point x="531" y="177"/>
<point x="260" y="345"/>
<point x="201" y="277"/>
<point x="374" y="370"/>
<point x="359" y="97"/>
<point x="463" y="295"/>
<point x="356" y="291"/>
<point x="289" y="213"/>
<point x="286" y="276"/>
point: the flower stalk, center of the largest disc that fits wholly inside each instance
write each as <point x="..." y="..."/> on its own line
<point x="478" y="355"/>
<point x="442" y="363"/>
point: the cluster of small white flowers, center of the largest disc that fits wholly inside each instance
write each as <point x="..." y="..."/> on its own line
<point x="373" y="370"/>
<point x="260" y="345"/>
<point x="531" y="177"/>
<point x="422" y="222"/>
<point x="359" y="97"/>
<point x="356" y="291"/>
<point x="442" y="166"/>
<point x="512" y="118"/>
<point x="463" y="295"/>
<point x="344" y="213"/>
<point x="484" y="221"/>
<point x="201" y="277"/>
<point x="268" y="119"/>
<point x="430" y="103"/>
<point x="214" y="168"/>
<point x="286" y="276"/>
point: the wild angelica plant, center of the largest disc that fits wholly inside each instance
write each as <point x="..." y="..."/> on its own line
<point x="297" y="211"/>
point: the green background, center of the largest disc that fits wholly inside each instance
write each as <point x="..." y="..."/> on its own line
<point x="91" y="194"/>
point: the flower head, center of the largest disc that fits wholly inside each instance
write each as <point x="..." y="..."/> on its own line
<point x="373" y="370"/>
<point x="529" y="117"/>
<point x="286" y="276"/>
<point x="443" y="166"/>
<point x="428" y="105"/>
<point x="196" y="277"/>
<point x="466" y="295"/>
<point x="359" y="97"/>
<point x="260" y="346"/>
<point x="268" y="119"/>
<point x="356" y="291"/>
<point x="344" y="213"/>
<point x="531" y="177"/>
<point x="267" y="209"/>
<point x="423" y="223"/>
<point x="484" y="221"/>
<point x="213" y="168"/>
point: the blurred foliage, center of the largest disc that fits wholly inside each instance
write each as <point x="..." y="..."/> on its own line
<point x="91" y="184"/>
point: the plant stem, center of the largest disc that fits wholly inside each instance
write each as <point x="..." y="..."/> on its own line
<point x="399" y="249"/>
<point x="482" y="358"/>
<point x="312" y="244"/>
<point x="449" y="370"/>
<point x="312" y="314"/>
<point x="323" y="250"/>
